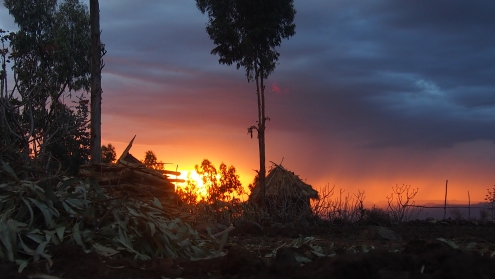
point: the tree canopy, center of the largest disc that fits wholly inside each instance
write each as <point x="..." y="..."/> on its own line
<point x="247" y="32"/>
<point x="108" y="154"/>
<point x="50" y="58"/>
<point x="151" y="161"/>
<point x="220" y="184"/>
<point x="51" y="50"/>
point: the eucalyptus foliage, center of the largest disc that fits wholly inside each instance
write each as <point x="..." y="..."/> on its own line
<point x="51" y="50"/>
<point x="50" y="60"/>
<point x="37" y="215"/>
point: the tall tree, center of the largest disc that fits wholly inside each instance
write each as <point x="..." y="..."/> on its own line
<point x="246" y="33"/>
<point x="50" y="59"/>
<point x="97" y="52"/>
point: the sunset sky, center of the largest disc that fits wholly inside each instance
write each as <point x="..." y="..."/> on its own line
<point x="366" y="95"/>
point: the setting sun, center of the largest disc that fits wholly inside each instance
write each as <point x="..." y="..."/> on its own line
<point x="192" y="175"/>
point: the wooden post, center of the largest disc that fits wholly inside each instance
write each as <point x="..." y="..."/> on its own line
<point x="469" y="206"/>
<point x="445" y="202"/>
<point x="95" y="126"/>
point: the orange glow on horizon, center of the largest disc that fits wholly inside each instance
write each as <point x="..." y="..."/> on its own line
<point x="377" y="181"/>
<point x="193" y="176"/>
<point x="201" y="189"/>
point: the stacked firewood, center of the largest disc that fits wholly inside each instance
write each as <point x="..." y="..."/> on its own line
<point x="130" y="177"/>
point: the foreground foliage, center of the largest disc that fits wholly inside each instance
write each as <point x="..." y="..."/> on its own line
<point x="37" y="214"/>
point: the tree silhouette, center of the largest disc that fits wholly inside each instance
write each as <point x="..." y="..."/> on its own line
<point x="50" y="58"/>
<point x="208" y="174"/>
<point x="188" y="193"/>
<point x="108" y="154"/>
<point x="246" y="32"/>
<point x="220" y="184"/>
<point x="151" y="161"/>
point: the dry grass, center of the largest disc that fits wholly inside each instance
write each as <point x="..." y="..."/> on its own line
<point x="345" y="208"/>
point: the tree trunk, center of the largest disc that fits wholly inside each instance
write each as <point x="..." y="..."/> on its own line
<point x="96" y="91"/>
<point x="3" y="97"/>
<point x="260" y="91"/>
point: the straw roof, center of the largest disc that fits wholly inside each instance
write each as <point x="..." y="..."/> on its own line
<point x="281" y="182"/>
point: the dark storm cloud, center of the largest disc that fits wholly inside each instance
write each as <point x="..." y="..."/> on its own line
<point x="415" y="73"/>
<point x="383" y="73"/>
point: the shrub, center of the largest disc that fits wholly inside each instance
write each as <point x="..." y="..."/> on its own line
<point x="457" y="214"/>
<point x="223" y="189"/>
<point x="490" y="199"/>
<point x="401" y="204"/>
<point x="484" y="214"/>
<point x="344" y="209"/>
<point x="377" y="216"/>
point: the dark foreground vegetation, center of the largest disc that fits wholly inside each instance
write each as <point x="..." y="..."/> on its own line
<point x="90" y="226"/>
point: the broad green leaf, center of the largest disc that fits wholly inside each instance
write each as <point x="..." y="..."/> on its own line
<point x="77" y="236"/>
<point x="30" y="212"/>
<point x="152" y="228"/>
<point x="60" y="232"/>
<point x="123" y="236"/>
<point x="53" y="210"/>
<point x="5" y="238"/>
<point x="68" y="208"/>
<point x="22" y="264"/>
<point x="157" y="203"/>
<point x="185" y="243"/>
<point x="46" y="213"/>
<point x="49" y="194"/>
<point x="146" y="248"/>
<point x="8" y="169"/>
<point x="200" y="253"/>
<point x="318" y="253"/>
<point x="40" y="251"/>
<point x="104" y="251"/>
<point x="182" y="229"/>
<point x="35" y="237"/>
<point x="14" y="228"/>
<point x="37" y="189"/>
<point x="63" y="185"/>
<point x="223" y="241"/>
<point x="94" y="184"/>
<point x="130" y="249"/>
<point x="26" y="249"/>
<point x="160" y="245"/>
<point x="52" y="236"/>
<point x="170" y="252"/>
<point x="77" y="203"/>
<point x="82" y="190"/>
<point x="471" y="245"/>
<point x="449" y="242"/>
<point x="134" y="212"/>
<point x="3" y="258"/>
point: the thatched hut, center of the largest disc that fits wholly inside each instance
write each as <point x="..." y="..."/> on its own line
<point x="285" y="193"/>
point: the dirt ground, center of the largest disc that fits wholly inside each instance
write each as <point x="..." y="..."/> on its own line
<point x="424" y="250"/>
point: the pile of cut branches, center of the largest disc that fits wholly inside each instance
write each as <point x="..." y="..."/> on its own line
<point x="35" y="214"/>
